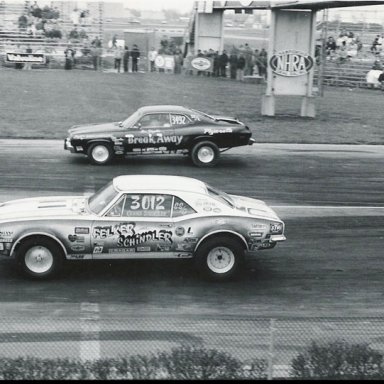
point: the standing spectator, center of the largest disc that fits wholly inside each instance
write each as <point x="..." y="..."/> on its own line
<point x="178" y="57"/>
<point x="114" y="41"/>
<point x="233" y="63"/>
<point x="257" y="61"/>
<point x="248" y="70"/>
<point x="23" y="22"/>
<point x="69" y="54"/>
<point x="152" y="54"/>
<point x="223" y="60"/>
<point x="240" y="67"/>
<point x="118" y="55"/>
<point x="75" y="17"/>
<point x="264" y="62"/>
<point x="126" y="59"/>
<point x="135" y="54"/>
<point x="216" y="64"/>
<point x="95" y="52"/>
<point x="199" y="54"/>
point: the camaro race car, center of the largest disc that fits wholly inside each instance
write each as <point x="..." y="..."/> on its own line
<point x="139" y="217"/>
<point x="160" y="129"/>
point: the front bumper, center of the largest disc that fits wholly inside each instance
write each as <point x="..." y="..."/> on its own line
<point x="251" y="141"/>
<point x="68" y="146"/>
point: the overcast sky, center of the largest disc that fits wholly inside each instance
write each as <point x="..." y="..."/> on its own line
<point x="181" y="5"/>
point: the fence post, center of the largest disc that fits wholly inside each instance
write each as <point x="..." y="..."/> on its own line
<point x="271" y="348"/>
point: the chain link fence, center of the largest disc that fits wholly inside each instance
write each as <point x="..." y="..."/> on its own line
<point x="270" y="348"/>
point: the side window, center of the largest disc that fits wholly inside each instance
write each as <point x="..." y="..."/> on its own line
<point x="147" y="205"/>
<point x="181" y="208"/>
<point x="179" y="120"/>
<point x="155" y="120"/>
<point x="117" y="209"/>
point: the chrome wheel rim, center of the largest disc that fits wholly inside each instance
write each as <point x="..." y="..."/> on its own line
<point x="39" y="259"/>
<point x="220" y="260"/>
<point x="206" y="154"/>
<point x="100" y="153"/>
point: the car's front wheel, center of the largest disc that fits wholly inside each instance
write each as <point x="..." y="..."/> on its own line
<point x="205" y="154"/>
<point x="100" y="153"/>
<point x="39" y="257"/>
<point x="220" y="258"/>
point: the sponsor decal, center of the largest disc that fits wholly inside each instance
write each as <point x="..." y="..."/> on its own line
<point x="255" y="234"/>
<point x="6" y="233"/>
<point x="201" y="63"/>
<point x="81" y="230"/>
<point x="143" y="249"/>
<point x="76" y="257"/>
<point x="172" y="139"/>
<point x="8" y="240"/>
<point x="216" y="210"/>
<point x="179" y="231"/>
<point x="184" y="247"/>
<point x="78" y="248"/>
<point x="98" y="249"/>
<point x="291" y="63"/>
<point x="37" y="58"/>
<point x="207" y="209"/>
<point x="163" y="248"/>
<point x="192" y="240"/>
<point x="184" y="255"/>
<point x="121" y="250"/>
<point x="259" y="226"/>
<point x="75" y="238"/>
<point x="211" y="131"/>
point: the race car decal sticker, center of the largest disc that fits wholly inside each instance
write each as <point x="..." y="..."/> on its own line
<point x="109" y="231"/>
<point x="6" y="233"/>
<point x="78" y="248"/>
<point x="98" y="249"/>
<point x="75" y="238"/>
<point x="81" y="230"/>
<point x="163" y="248"/>
<point x="139" y="238"/>
<point x="76" y="257"/>
<point x="143" y="249"/>
<point x="179" y="231"/>
<point x="121" y="250"/>
<point x="154" y="139"/>
<point x="192" y="240"/>
<point x="211" y="131"/>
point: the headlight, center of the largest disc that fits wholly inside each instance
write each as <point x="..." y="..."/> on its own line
<point x="276" y="228"/>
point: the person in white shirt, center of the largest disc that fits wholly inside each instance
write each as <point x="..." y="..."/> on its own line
<point x="152" y="54"/>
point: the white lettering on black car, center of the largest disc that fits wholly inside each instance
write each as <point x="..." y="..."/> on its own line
<point x="154" y="140"/>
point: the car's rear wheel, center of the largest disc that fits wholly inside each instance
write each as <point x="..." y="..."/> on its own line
<point x="205" y="154"/>
<point x="100" y="153"/>
<point x="220" y="258"/>
<point x="40" y="257"/>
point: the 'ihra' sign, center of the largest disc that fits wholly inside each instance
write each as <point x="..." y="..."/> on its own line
<point x="291" y="63"/>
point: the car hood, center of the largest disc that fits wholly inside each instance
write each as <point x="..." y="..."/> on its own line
<point x="254" y="207"/>
<point x="93" y="128"/>
<point x="42" y="207"/>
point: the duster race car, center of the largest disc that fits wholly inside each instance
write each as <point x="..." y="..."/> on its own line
<point x="139" y="217"/>
<point x="160" y="129"/>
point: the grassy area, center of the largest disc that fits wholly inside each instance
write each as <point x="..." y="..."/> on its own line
<point x="45" y="103"/>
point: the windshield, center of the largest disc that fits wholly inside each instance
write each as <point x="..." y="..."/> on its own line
<point x="221" y="196"/>
<point x="98" y="201"/>
<point x="128" y="123"/>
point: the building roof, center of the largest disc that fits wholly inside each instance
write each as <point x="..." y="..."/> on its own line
<point x="155" y="183"/>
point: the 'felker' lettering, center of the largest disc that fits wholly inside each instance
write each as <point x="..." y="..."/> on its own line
<point x="155" y="140"/>
<point x="139" y="238"/>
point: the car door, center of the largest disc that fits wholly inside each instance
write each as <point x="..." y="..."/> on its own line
<point x="138" y="225"/>
<point x="152" y="132"/>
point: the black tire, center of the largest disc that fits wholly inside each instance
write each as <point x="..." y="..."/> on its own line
<point x="220" y="258"/>
<point x="40" y="257"/>
<point x="100" y="153"/>
<point x="205" y="154"/>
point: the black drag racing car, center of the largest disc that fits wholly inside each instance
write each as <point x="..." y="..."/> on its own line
<point x="160" y="129"/>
